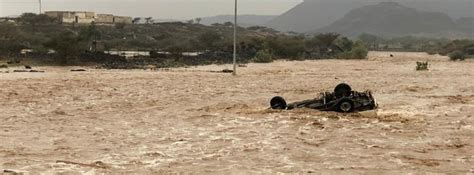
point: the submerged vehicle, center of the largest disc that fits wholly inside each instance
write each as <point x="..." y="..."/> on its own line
<point x="343" y="99"/>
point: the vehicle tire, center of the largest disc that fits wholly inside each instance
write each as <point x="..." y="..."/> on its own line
<point x="373" y="105"/>
<point x="345" y="105"/>
<point x="278" y="103"/>
<point x="342" y="90"/>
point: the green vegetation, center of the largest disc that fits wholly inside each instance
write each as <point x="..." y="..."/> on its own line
<point x="422" y="66"/>
<point x="457" y="55"/>
<point x="263" y="56"/>
<point x="403" y="44"/>
<point x="353" y="50"/>
<point x="359" y="52"/>
<point x="458" y="50"/>
<point x="68" y="44"/>
<point x="455" y="49"/>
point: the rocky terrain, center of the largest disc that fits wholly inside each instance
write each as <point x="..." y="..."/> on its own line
<point x="312" y="15"/>
<point x="390" y="19"/>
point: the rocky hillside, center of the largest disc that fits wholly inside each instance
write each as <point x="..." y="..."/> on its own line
<point x="390" y="19"/>
<point x="311" y="15"/>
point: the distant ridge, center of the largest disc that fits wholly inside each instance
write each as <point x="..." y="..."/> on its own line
<point x="311" y="15"/>
<point x="243" y="20"/>
<point x="390" y="19"/>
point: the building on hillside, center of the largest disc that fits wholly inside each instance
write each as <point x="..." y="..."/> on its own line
<point x="105" y="18"/>
<point x="72" y="17"/>
<point x="123" y="19"/>
<point x="76" y="17"/>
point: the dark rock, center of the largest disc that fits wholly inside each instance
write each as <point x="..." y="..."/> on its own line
<point x="21" y="71"/>
<point x="32" y="71"/>
<point x="227" y="71"/>
<point x="37" y="71"/>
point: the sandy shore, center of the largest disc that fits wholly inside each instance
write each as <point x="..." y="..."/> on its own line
<point x="192" y="120"/>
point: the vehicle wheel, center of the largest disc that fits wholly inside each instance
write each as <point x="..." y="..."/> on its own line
<point x="345" y="106"/>
<point x="373" y="105"/>
<point x="278" y="103"/>
<point x="342" y="90"/>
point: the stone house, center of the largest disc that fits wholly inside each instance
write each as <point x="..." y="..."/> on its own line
<point x="123" y="19"/>
<point x="72" y="17"/>
<point x="87" y="17"/>
<point x="104" y="18"/>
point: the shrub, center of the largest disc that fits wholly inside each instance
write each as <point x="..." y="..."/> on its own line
<point x="344" y="55"/>
<point x="422" y="66"/>
<point x="263" y="56"/>
<point x="432" y="52"/>
<point x="288" y="48"/>
<point x="457" y="55"/>
<point x="120" y="25"/>
<point x="359" y="52"/>
<point x="67" y="46"/>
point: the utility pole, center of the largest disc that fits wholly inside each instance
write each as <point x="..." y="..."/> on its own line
<point x="40" y="7"/>
<point x="235" y="40"/>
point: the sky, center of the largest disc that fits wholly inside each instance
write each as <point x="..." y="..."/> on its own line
<point x="159" y="9"/>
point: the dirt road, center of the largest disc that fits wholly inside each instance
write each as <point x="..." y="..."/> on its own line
<point x="193" y="120"/>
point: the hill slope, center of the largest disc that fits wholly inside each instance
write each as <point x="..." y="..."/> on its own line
<point x="315" y="14"/>
<point x="391" y="19"/>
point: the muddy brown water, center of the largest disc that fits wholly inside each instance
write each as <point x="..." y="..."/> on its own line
<point x="193" y="120"/>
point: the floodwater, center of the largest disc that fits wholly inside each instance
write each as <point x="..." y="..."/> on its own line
<point x="194" y="120"/>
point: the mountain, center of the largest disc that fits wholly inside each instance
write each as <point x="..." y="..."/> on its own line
<point x="390" y="19"/>
<point x="243" y="20"/>
<point x="466" y="25"/>
<point x="314" y="14"/>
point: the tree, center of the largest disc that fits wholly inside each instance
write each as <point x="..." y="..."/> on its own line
<point x="229" y="24"/>
<point x="90" y="33"/>
<point x="136" y="20"/>
<point x="286" y="47"/>
<point x="11" y="39"/>
<point x="344" y="43"/>
<point x="313" y="44"/>
<point x="263" y="56"/>
<point x="8" y="31"/>
<point x="327" y="39"/>
<point x="359" y="52"/>
<point x="67" y="46"/>
<point x="321" y="42"/>
<point x="198" y="20"/>
<point x="148" y="20"/>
